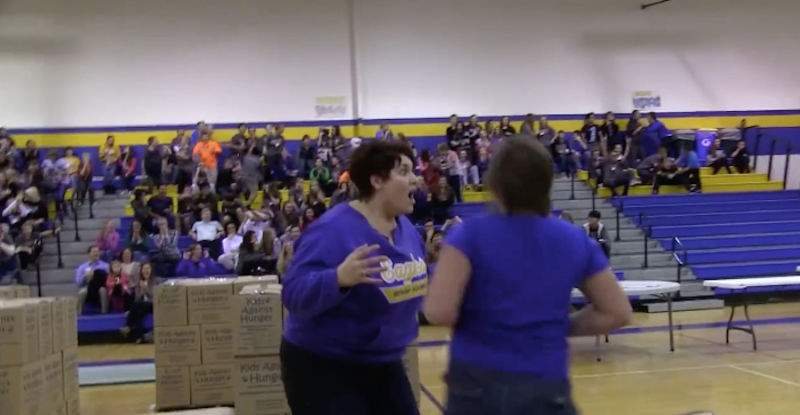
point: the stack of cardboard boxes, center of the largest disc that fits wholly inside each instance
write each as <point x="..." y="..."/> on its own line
<point x="194" y="341"/>
<point x="38" y="356"/>
<point x="258" y="327"/>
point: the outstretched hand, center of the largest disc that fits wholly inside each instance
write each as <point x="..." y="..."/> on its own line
<point x="357" y="267"/>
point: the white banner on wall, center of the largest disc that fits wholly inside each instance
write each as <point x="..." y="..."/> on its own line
<point x="643" y="100"/>
<point x="330" y="107"/>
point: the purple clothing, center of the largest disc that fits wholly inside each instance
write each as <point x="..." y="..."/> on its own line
<point x="205" y="267"/>
<point x="108" y="243"/>
<point x="366" y="323"/>
<point x="80" y="281"/>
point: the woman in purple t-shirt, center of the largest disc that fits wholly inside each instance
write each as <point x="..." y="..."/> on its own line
<point x="504" y="282"/>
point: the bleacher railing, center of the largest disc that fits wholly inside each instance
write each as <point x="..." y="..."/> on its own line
<point x="619" y="209"/>
<point x="682" y="262"/>
<point x="648" y="233"/>
<point x="786" y="163"/>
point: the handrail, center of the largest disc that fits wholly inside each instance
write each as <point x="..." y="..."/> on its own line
<point x="619" y="209"/>
<point x="572" y="185"/>
<point x="676" y="242"/>
<point x="39" y="272"/>
<point x="594" y="193"/>
<point x="772" y="144"/>
<point x="75" y="215"/>
<point x="759" y="134"/>
<point x="648" y="230"/>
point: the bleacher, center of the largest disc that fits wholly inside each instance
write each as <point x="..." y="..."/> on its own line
<point x="724" y="235"/>
<point x="722" y="182"/>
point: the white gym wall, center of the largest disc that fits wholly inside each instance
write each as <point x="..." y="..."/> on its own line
<point x="110" y="63"/>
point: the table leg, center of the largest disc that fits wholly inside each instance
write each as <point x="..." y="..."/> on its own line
<point x="597" y="351"/>
<point x="669" y="316"/>
<point x="749" y="329"/>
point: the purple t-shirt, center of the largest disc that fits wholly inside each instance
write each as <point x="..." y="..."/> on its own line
<point x="515" y="312"/>
<point x="366" y="323"/>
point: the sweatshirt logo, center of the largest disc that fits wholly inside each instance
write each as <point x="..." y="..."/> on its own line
<point x="404" y="281"/>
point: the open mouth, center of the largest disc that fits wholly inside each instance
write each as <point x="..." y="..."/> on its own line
<point x="411" y="197"/>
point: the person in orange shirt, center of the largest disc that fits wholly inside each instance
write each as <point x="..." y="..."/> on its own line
<point x="206" y="152"/>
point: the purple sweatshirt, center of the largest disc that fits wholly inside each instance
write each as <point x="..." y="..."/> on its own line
<point x="366" y="323"/>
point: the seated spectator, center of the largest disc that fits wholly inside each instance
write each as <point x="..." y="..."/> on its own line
<point x="741" y="158"/>
<point x="306" y="155"/>
<point x="152" y="164"/>
<point x="467" y="171"/>
<point x="118" y="288"/>
<point x="336" y="170"/>
<point x="650" y="165"/>
<point x="428" y="170"/>
<point x="256" y="221"/>
<point x="579" y="146"/>
<point x="689" y="166"/>
<point x="90" y="277"/>
<point x="205" y="199"/>
<point x="233" y="209"/>
<point x="160" y="206"/>
<point x="271" y="246"/>
<point x="129" y="265"/>
<point x="287" y="251"/>
<point x="565" y="159"/>
<point x="596" y="230"/>
<point x="186" y="209"/>
<point x="138" y="242"/>
<point x="433" y="248"/>
<point x="108" y="154"/>
<point x="141" y="303"/>
<point x="297" y="194"/>
<point x="165" y="255"/>
<point x="307" y="219"/>
<point x="207" y="233"/>
<point x="229" y="177"/>
<point x="251" y="174"/>
<point x="108" y="240"/>
<point x="141" y="210"/>
<point x="285" y="171"/>
<point x="321" y="174"/>
<point x="9" y="264"/>
<point x="422" y="206"/>
<point x="251" y="259"/>
<point x="344" y="193"/>
<point x="196" y="263"/>
<point x="716" y="158"/>
<point x="447" y="163"/>
<point x="127" y="168"/>
<point x="545" y="134"/>
<point x="315" y="200"/>
<point x="668" y="174"/>
<point x="290" y="216"/>
<point x="28" y="245"/>
<point x="230" y="247"/>
<point x="441" y="201"/>
<point x="616" y="172"/>
<point x="85" y="175"/>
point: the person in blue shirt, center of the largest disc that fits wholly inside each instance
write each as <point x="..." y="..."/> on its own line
<point x="689" y="166"/>
<point x="657" y="135"/>
<point x="504" y="283"/>
<point x="353" y="291"/>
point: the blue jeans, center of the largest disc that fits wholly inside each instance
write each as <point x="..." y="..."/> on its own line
<point x="109" y="174"/>
<point x="477" y="391"/>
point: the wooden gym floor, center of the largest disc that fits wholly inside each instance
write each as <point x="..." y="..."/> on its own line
<point x="638" y="374"/>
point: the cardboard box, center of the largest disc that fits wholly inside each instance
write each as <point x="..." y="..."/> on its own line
<point x="241" y="282"/>
<point x="411" y="363"/>
<point x="44" y="317"/>
<point x="73" y="405"/>
<point x="169" y="304"/>
<point x="258" y="389"/>
<point x="69" y="362"/>
<point x="60" y="408"/>
<point x="69" y="335"/>
<point x="173" y="387"/>
<point x="177" y="346"/>
<point x="212" y="385"/>
<point x="210" y="301"/>
<point x="52" y="367"/>
<point x="19" y="332"/>
<point x="21" y="389"/>
<point x="58" y="322"/>
<point x="10" y="292"/>
<point x="216" y="343"/>
<point x="259" y="321"/>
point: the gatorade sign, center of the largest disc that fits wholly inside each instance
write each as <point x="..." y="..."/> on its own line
<point x="643" y="100"/>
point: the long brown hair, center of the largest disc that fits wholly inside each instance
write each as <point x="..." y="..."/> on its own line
<point x="521" y="175"/>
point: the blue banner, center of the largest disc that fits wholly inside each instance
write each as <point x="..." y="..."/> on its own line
<point x="704" y="139"/>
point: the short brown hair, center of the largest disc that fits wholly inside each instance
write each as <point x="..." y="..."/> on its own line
<point x="375" y="158"/>
<point x="521" y="175"/>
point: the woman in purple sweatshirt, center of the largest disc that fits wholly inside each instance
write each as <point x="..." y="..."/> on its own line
<point x="353" y="291"/>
